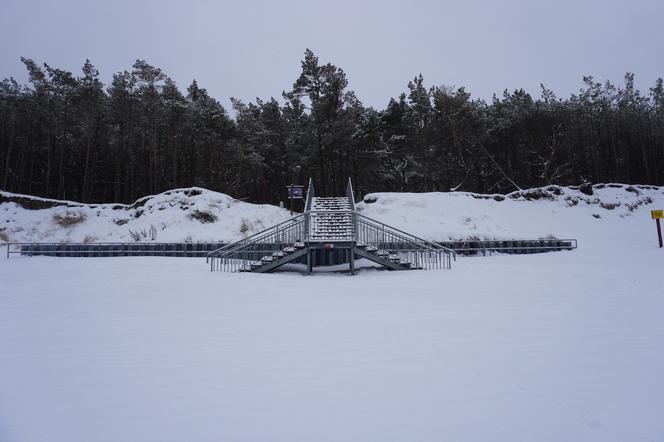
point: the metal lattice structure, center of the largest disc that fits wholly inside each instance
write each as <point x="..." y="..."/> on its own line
<point x="330" y="223"/>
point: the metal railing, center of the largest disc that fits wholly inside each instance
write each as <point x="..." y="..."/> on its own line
<point x="198" y="249"/>
<point x="105" y="249"/>
<point x="310" y="195"/>
<point x="386" y="240"/>
<point x="513" y="246"/>
<point x="350" y="194"/>
<point x="397" y="243"/>
<point x="241" y="254"/>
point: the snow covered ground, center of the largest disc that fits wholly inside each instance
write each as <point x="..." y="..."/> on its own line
<point x="200" y="215"/>
<point x="553" y="211"/>
<point x="179" y="215"/>
<point x="562" y="346"/>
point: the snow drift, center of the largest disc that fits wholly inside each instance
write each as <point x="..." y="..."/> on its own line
<point x="548" y="212"/>
<point x="190" y="214"/>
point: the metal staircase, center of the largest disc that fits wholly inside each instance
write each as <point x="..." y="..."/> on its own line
<point x="330" y="223"/>
<point x="331" y="219"/>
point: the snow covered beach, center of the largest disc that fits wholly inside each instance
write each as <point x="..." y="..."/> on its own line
<point x="558" y="346"/>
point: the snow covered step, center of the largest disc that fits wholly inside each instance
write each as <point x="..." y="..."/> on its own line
<point x="331" y="219"/>
<point x="332" y="204"/>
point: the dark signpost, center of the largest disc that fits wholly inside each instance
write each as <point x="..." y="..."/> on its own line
<point x="295" y="191"/>
<point x="657" y="215"/>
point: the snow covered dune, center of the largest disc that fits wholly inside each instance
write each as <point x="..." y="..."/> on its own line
<point x="588" y="213"/>
<point x="191" y="214"/>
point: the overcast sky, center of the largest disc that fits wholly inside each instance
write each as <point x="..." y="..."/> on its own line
<point x="249" y="49"/>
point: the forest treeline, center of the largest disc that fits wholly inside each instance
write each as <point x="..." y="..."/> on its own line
<point x="69" y="136"/>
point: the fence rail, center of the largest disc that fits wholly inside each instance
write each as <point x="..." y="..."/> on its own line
<point x="105" y="249"/>
<point x="514" y="246"/>
<point x="471" y="247"/>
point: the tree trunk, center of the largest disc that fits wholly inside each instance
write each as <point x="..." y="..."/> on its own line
<point x="10" y="146"/>
<point x="63" y="146"/>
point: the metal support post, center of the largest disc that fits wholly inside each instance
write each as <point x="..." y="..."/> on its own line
<point x="352" y="260"/>
<point x="310" y="264"/>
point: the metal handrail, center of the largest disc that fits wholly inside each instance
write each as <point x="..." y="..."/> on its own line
<point x="402" y="246"/>
<point x="350" y="195"/>
<point x="240" y="255"/>
<point x="255" y="239"/>
<point x="310" y="195"/>
<point x="255" y="235"/>
<point x="406" y="234"/>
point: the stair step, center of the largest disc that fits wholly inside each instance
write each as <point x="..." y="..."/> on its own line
<point x="361" y="245"/>
<point x="299" y="245"/>
<point x="290" y="249"/>
<point x="332" y="221"/>
<point x="331" y="205"/>
<point x="278" y="254"/>
<point x="267" y="259"/>
<point x="371" y="249"/>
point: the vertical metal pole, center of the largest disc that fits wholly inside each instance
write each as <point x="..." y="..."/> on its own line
<point x="291" y="199"/>
<point x="352" y="260"/>
<point x="659" y="233"/>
